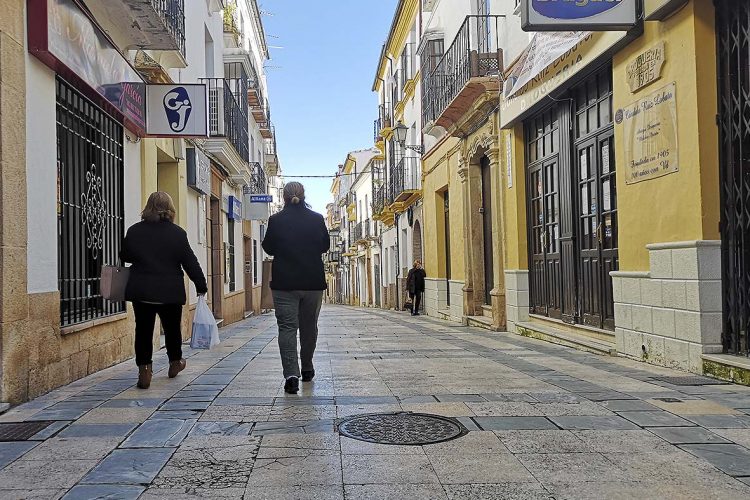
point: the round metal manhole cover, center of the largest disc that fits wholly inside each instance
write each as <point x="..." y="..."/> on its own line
<point x="406" y="429"/>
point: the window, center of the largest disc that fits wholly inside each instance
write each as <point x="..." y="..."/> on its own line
<point x="252" y="148"/>
<point x="90" y="204"/>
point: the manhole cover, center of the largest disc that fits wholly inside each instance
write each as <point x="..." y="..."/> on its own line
<point x="21" y="431"/>
<point x="694" y="380"/>
<point x="410" y="429"/>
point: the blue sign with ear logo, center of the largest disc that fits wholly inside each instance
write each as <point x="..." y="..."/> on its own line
<point x="573" y="9"/>
<point x="178" y="107"/>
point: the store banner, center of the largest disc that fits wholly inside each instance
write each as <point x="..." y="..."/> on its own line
<point x="543" y="51"/>
<point x="567" y="15"/>
<point x="257" y="206"/>
<point x="198" y="171"/>
<point x="67" y="40"/>
<point x="176" y="110"/>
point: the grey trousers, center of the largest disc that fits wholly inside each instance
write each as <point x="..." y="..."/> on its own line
<point x="297" y="310"/>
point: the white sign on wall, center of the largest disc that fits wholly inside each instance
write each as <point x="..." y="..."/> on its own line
<point x="176" y="110"/>
<point x="578" y="15"/>
<point x="256" y="206"/>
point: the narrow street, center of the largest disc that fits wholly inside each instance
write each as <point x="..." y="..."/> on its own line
<point x="543" y="421"/>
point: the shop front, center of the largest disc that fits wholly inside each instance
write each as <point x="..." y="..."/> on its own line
<point x="611" y="153"/>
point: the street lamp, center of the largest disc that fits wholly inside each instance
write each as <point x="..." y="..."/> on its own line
<point x="399" y="132"/>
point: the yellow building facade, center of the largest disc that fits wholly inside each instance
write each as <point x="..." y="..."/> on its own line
<point x="611" y="190"/>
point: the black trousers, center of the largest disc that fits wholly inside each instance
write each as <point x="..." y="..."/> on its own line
<point x="416" y="301"/>
<point x="145" y="319"/>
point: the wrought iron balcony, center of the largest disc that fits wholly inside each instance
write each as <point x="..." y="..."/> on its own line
<point x="470" y="67"/>
<point x="258" y="182"/>
<point x="358" y="236"/>
<point x="367" y="229"/>
<point x="227" y="120"/>
<point x="385" y="117"/>
<point x="405" y="179"/>
<point x="334" y="256"/>
<point x="144" y="24"/>
<point x="379" y="201"/>
<point x="377" y="129"/>
<point x="272" y="159"/>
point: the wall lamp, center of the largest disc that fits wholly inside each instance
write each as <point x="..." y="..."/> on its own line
<point x="399" y="132"/>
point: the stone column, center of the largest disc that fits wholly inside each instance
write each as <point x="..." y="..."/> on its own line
<point x="497" y="294"/>
<point x="468" y="288"/>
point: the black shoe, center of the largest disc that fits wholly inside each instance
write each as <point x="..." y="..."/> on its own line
<point x="291" y="386"/>
<point x="307" y="376"/>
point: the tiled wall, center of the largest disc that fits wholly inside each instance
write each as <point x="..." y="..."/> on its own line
<point x="671" y="315"/>
<point x="436" y="298"/>
<point x="516" y="297"/>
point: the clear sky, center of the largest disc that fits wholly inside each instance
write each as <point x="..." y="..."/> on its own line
<point x="322" y="103"/>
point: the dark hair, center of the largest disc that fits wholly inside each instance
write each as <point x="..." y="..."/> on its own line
<point x="159" y="207"/>
<point x="294" y="194"/>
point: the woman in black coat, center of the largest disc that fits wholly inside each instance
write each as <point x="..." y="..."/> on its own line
<point x="159" y="250"/>
<point x="415" y="285"/>
<point x="297" y="238"/>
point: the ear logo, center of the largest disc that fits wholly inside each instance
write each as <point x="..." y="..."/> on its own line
<point x="178" y="107"/>
<point x="573" y="9"/>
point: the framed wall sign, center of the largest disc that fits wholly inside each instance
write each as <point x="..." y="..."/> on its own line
<point x="176" y="110"/>
<point x="198" y="171"/>
<point x="579" y="15"/>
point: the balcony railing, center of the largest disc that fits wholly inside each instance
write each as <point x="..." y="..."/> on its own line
<point x="225" y="116"/>
<point x="334" y="256"/>
<point x="405" y="178"/>
<point x="377" y="127"/>
<point x="258" y="182"/>
<point x="358" y="233"/>
<point x="172" y="12"/>
<point x="367" y="229"/>
<point x="474" y="53"/>
<point x="379" y="199"/>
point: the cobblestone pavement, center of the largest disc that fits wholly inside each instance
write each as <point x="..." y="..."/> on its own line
<point x="544" y="421"/>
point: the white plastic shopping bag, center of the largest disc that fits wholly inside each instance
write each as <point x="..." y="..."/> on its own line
<point x="205" y="332"/>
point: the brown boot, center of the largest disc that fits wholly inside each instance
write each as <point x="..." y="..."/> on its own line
<point x="176" y="367"/>
<point x="144" y="376"/>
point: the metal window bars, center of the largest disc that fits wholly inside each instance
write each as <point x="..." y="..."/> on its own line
<point x="475" y="52"/>
<point x="406" y="176"/>
<point x="90" y="204"/>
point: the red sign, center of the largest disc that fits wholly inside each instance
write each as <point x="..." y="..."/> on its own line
<point x="68" y="40"/>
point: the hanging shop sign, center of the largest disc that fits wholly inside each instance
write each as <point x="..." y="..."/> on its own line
<point x="538" y="58"/>
<point x="198" y="171"/>
<point x="67" y="40"/>
<point x="234" y="208"/>
<point x="256" y="206"/>
<point x="521" y="102"/>
<point x="646" y="68"/>
<point x="570" y="15"/>
<point x="648" y="128"/>
<point x="177" y="110"/>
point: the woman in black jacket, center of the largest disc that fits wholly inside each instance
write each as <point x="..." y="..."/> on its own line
<point x="159" y="250"/>
<point x="415" y="285"/>
<point x="297" y="237"/>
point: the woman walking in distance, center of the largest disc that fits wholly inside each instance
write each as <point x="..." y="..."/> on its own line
<point x="297" y="238"/>
<point x="415" y="284"/>
<point x="159" y="250"/>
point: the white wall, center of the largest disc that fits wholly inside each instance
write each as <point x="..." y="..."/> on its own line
<point x="41" y="177"/>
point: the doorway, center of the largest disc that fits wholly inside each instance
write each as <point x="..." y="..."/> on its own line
<point x="572" y="206"/>
<point x="216" y="283"/>
<point x="489" y="268"/>
<point x="447" y="231"/>
<point x="248" y="272"/>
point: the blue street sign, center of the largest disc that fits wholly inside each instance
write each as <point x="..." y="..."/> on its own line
<point x="261" y="198"/>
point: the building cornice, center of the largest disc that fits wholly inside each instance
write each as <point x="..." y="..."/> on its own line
<point x="406" y="14"/>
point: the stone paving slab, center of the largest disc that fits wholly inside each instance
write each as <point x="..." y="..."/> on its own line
<point x="543" y="421"/>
